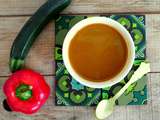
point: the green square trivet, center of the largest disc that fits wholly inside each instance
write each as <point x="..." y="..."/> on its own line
<point x="71" y="93"/>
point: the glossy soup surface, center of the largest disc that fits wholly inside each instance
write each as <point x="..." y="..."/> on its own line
<point x="98" y="52"/>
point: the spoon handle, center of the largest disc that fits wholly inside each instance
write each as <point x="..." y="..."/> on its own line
<point x="122" y="91"/>
<point x="143" y="69"/>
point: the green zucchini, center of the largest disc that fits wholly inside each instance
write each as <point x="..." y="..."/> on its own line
<point x="31" y="30"/>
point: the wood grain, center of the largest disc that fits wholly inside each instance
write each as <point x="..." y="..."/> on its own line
<point x="14" y="13"/>
<point x="41" y="56"/>
<point x="153" y="37"/>
<point x="28" y="7"/>
<point x="155" y="92"/>
<point x="51" y="112"/>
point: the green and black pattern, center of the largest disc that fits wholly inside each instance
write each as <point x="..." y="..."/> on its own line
<point x="69" y="92"/>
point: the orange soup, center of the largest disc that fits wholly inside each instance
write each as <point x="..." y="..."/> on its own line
<point x="98" y="52"/>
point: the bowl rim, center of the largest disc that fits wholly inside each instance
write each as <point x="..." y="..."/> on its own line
<point x="114" y="24"/>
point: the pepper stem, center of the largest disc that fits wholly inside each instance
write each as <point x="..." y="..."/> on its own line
<point x="24" y="92"/>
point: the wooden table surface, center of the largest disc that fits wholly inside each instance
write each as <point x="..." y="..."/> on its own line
<point x="14" y="13"/>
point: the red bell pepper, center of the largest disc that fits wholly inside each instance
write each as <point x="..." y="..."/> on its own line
<point x="26" y="91"/>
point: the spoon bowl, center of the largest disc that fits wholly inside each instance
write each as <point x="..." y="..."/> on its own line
<point x="105" y="108"/>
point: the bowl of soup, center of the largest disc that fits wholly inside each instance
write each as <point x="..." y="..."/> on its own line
<point x="98" y="52"/>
